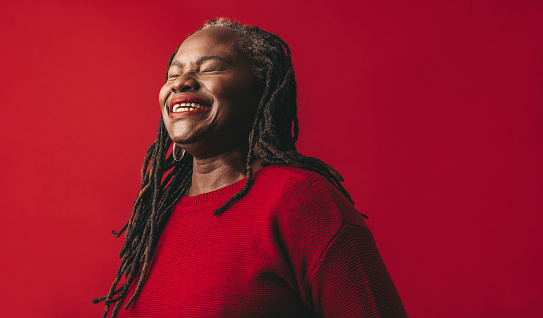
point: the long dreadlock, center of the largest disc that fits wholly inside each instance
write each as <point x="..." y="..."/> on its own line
<point x="164" y="181"/>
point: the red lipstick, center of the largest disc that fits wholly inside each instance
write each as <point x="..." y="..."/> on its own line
<point x="202" y="106"/>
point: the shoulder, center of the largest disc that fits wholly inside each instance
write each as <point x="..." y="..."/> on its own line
<point x="289" y="174"/>
<point x="296" y="178"/>
<point x="305" y="214"/>
<point x="306" y="192"/>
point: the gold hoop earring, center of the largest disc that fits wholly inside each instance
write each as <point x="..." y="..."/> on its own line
<point x="255" y="149"/>
<point x="177" y="151"/>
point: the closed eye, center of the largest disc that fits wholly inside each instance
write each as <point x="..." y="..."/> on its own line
<point x="212" y="65"/>
<point x="212" y="69"/>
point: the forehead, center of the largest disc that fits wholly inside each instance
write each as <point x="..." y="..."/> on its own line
<point x="210" y="41"/>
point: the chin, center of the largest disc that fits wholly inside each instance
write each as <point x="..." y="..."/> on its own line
<point x="184" y="137"/>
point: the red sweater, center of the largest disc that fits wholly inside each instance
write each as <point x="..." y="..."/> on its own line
<point x="292" y="247"/>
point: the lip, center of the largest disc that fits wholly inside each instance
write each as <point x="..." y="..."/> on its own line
<point x="188" y="113"/>
<point x="178" y="99"/>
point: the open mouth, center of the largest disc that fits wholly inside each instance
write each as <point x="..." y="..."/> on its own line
<point x="182" y="105"/>
<point x="187" y="107"/>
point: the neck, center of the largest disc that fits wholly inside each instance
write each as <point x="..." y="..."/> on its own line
<point x="219" y="171"/>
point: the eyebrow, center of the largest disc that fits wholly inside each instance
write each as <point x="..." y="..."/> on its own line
<point x="201" y="60"/>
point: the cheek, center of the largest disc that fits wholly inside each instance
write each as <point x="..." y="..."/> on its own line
<point x="238" y="93"/>
<point x="162" y="96"/>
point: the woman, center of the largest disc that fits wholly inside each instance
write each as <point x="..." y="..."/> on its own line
<point x="235" y="222"/>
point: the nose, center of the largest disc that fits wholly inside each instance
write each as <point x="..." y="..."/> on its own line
<point x="185" y="82"/>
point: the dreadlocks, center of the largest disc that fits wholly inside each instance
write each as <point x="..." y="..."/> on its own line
<point x="164" y="181"/>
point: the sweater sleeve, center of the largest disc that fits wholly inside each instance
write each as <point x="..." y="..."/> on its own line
<point x="336" y="266"/>
<point x="351" y="280"/>
<point x="349" y="277"/>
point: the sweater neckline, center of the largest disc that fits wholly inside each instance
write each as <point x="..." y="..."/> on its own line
<point x="228" y="190"/>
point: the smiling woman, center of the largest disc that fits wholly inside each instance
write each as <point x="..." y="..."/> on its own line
<point x="209" y="72"/>
<point x="235" y="222"/>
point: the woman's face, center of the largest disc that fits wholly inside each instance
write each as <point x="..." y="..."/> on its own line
<point x="210" y="98"/>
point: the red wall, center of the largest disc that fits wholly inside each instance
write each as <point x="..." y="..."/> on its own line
<point x="432" y="111"/>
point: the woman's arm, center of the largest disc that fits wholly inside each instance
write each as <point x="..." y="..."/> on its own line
<point x="351" y="280"/>
<point x="337" y="267"/>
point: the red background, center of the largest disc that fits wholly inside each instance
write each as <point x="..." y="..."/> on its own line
<point x="431" y="110"/>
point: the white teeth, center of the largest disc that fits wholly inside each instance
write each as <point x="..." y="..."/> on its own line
<point x="185" y="107"/>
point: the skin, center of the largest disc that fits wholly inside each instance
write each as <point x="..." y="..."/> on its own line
<point x="217" y="139"/>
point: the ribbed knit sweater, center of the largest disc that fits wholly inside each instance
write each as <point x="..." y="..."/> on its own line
<point x="294" y="246"/>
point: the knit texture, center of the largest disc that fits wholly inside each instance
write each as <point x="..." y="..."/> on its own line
<point x="292" y="247"/>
